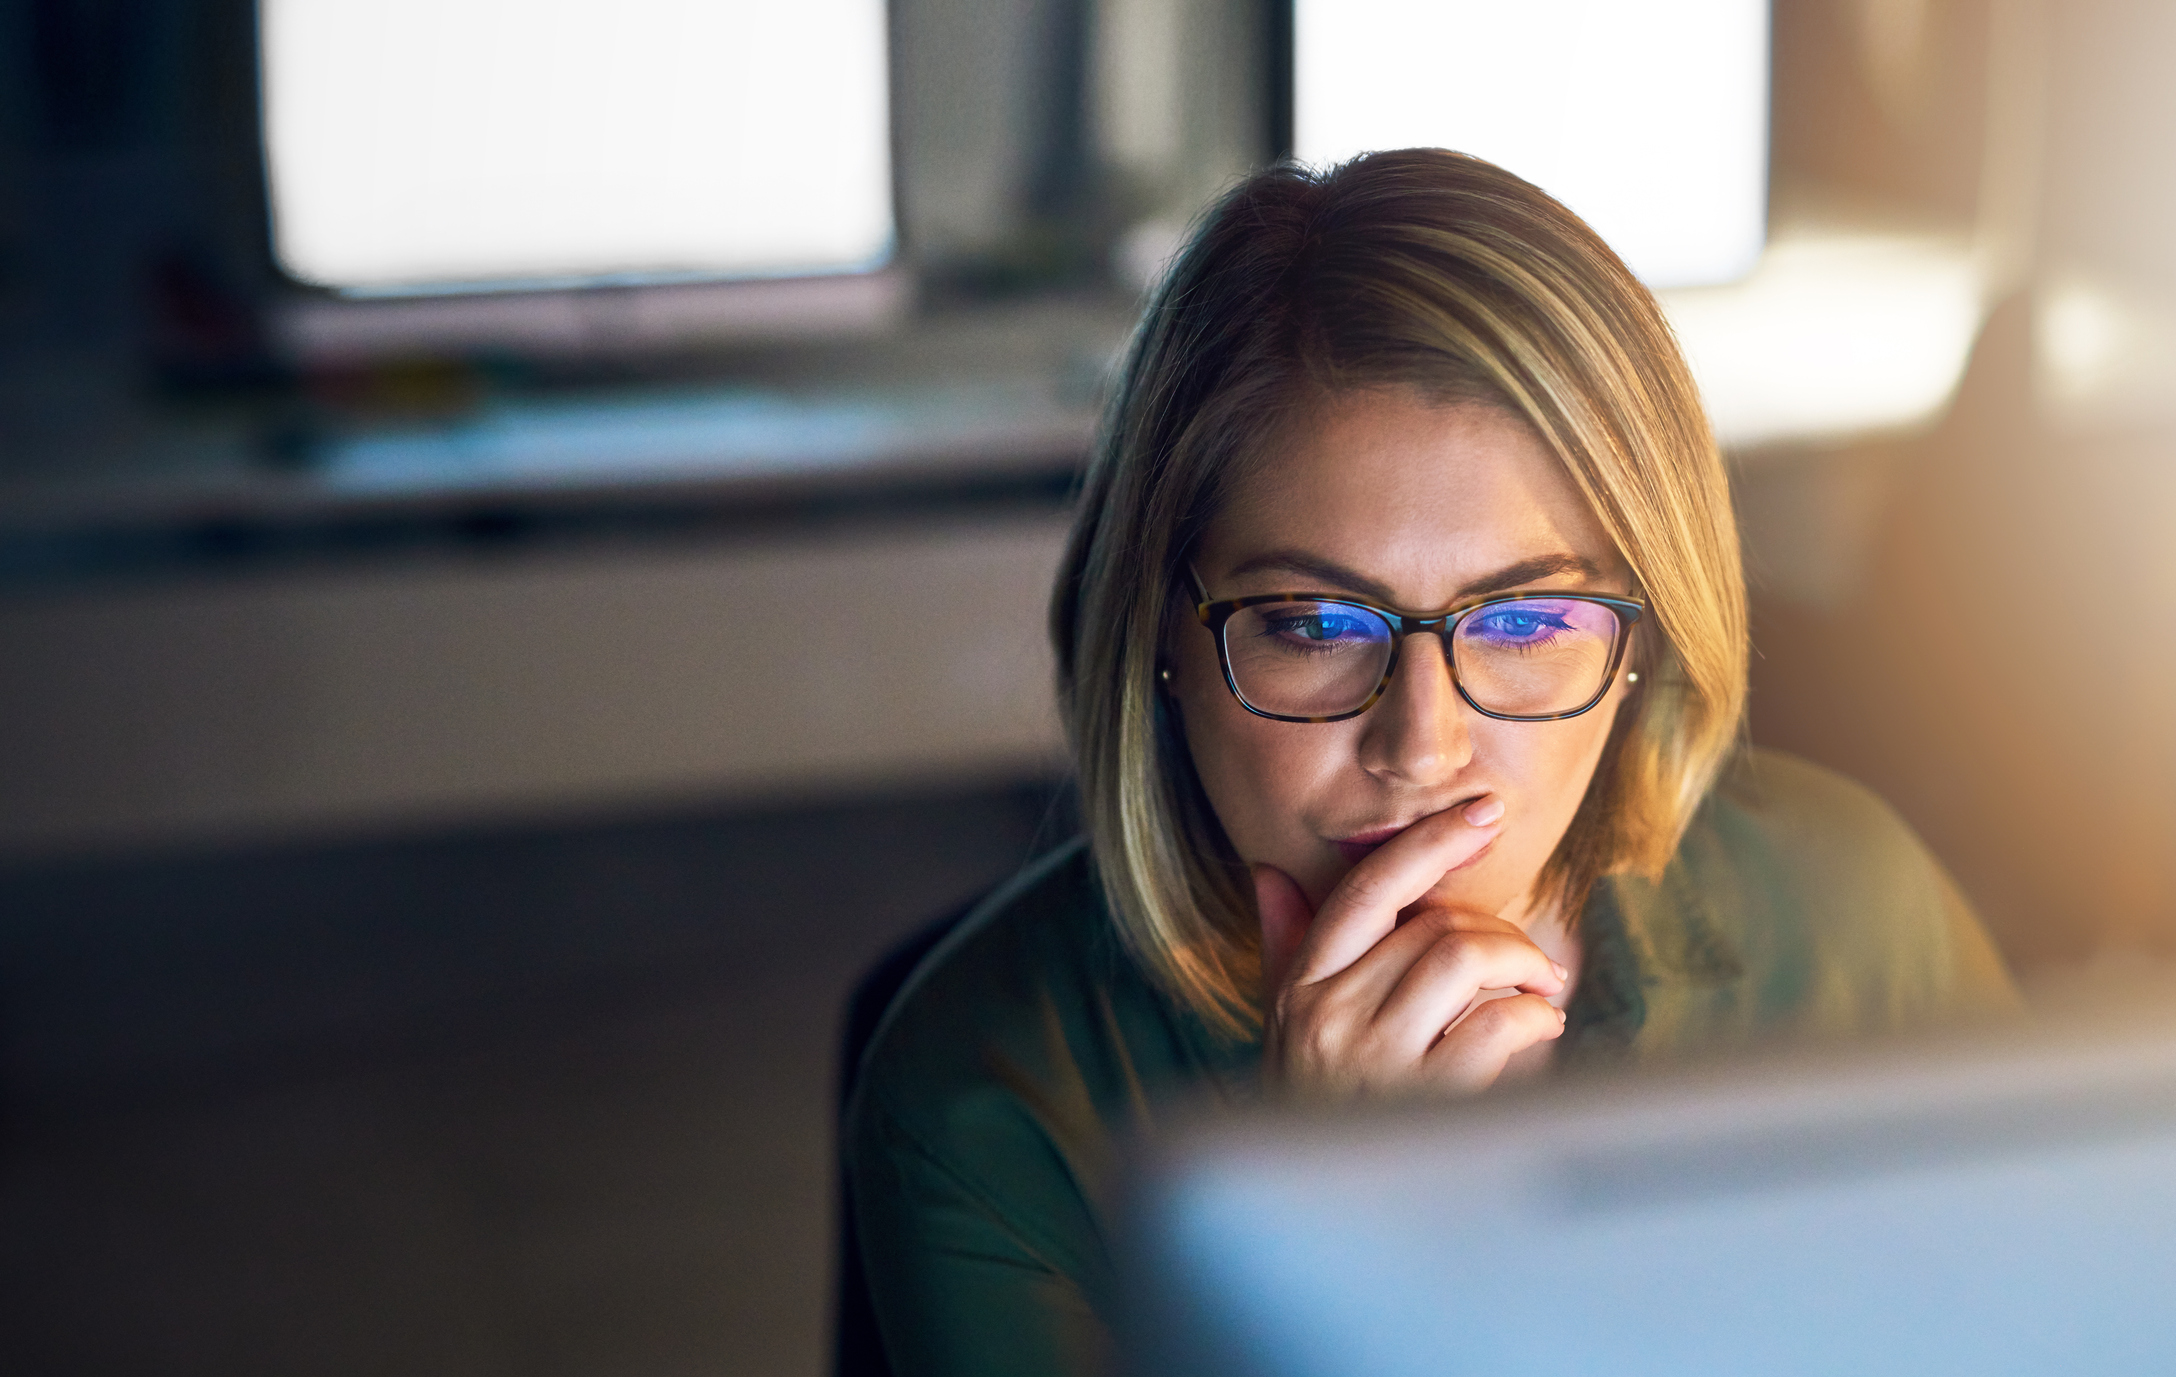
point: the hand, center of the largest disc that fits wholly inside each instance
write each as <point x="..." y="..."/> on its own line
<point x="1358" y="1001"/>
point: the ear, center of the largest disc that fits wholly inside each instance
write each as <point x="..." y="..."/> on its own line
<point x="1285" y="917"/>
<point x="1177" y="619"/>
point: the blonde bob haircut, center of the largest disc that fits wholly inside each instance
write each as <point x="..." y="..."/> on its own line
<point x="1420" y="269"/>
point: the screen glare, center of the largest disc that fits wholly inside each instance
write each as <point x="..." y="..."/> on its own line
<point x="1649" y="120"/>
<point x="434" y="145"/>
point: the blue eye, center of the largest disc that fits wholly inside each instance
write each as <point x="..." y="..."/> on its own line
<point x="1316" y="626"/>
<point x="1326" y="626"/>
<point x="1516" y="625"/>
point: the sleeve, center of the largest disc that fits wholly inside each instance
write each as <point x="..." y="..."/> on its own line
<point x="958" y="1289"/>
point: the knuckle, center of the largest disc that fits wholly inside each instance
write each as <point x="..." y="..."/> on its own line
<point x="1457" y="954"/>
<point x="1441" y="924"/>
<point x="1451" y="918"/>
<point x="1316" y="1041"/>
<point x="1373" y="1050"/>
<point x="1491" y="1018"/>
<point x="1520" y="1014"/>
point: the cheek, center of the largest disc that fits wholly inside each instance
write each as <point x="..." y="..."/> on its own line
<point x="1259" y="775"/>
<point x="1547" y="766"/>
<point x="1545" y="759"/>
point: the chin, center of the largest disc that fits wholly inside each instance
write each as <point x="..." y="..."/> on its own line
<point x="1481" y="883"/>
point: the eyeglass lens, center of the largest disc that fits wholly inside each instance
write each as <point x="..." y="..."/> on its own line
<point x="1530" y="657"/>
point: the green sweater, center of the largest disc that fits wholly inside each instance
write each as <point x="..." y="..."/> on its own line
<point x="981" y="1140"/>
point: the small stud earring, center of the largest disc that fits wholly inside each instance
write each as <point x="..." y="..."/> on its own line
<point x="1164" y="674"/>
<point x="1631" y="676"/>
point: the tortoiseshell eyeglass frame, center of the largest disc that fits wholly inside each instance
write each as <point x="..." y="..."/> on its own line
<point x="1215" y="614"/>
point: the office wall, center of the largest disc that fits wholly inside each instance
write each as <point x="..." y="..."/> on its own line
<point x="414" y="694"/>
<point x="1979" y="620"/>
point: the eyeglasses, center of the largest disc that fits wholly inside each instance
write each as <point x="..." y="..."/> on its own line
<point x="1521" y="657"/>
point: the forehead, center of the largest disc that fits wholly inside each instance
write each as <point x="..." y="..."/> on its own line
<point x="1421" y="496"/>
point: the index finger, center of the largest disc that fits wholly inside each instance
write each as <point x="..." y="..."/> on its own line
<point x="1364" y="907"/>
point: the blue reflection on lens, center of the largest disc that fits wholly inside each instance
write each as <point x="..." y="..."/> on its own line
<point x="1325" y="624"/>
<point x="1517" y="624"/>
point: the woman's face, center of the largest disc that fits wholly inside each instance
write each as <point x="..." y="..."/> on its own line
<point x="1417" y="506"/>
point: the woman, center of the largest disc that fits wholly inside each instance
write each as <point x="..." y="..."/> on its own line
<point x="1402" y="641"/>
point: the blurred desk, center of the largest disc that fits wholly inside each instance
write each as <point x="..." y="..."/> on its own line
<point x="995" y="406"/>
<point x="698" y="435"/>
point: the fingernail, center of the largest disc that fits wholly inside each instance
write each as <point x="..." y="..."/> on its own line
<point x="1562" y="1015"/>
<point x="1484" y="811"/>
<point x="1560" y="971"/>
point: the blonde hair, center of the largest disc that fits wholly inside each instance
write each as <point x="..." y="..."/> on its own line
<point x="1423" y="269"/>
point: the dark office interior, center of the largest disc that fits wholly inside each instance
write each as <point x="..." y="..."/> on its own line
<point x="424" y="937"/>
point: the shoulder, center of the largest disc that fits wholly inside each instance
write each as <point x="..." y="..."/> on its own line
<point x="1040" y="922"/>
<point x="1019" y="1054"/>
<point x="1804" y="902"/>
<point x="1777" y="821"/>
<point x="1028" y="985"/>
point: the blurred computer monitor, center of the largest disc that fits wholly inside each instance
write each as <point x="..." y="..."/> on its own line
<point x="1992" y="1206"/>
<point x="575" y="174"/>
<point x="1650" y="120"/>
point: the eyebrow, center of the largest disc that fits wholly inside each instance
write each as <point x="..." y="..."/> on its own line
<point x="1330" y="575"/>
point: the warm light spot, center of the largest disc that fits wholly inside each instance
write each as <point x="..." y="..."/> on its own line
<point x="1835" y="335"/>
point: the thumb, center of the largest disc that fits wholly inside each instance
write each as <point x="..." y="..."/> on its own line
<point x="1285" y="915"/>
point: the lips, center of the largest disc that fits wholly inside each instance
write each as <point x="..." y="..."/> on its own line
<point x="1361" y="844"/>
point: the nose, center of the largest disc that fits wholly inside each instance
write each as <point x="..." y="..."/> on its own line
<point x="1418" y="733"/>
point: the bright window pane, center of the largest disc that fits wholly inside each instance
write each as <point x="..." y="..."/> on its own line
<point x="1648" y="119"/>
<point x="421" y="144"/>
